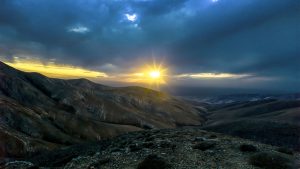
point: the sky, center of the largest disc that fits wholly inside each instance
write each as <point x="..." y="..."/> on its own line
<point x="251" y="44"/>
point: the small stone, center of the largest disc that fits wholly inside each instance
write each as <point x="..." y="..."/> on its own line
<point x="19" y="164"/>
<point x="200" y="139"/>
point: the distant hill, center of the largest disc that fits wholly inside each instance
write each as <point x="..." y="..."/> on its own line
<point x="273" y="121"/>
<point x="37" y="112"/>
<point x="241" y="98"/>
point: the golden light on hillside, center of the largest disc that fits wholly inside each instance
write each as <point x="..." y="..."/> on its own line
<point x="54" y="70"/>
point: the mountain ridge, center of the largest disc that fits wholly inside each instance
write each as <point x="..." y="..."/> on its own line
<point x="54" y="112"/>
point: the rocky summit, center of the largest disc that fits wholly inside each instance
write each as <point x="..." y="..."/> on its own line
<point x="184" y="148"/>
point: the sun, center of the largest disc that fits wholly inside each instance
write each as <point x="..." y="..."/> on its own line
<point x="154" y="74"/>
<point x="150" y="75"/>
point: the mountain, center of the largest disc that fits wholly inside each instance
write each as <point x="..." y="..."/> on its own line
<point x="241" y="98"/>
<point x="38" y="113"/>
<point x="273" y="121"/>
<point x="190" y="148"/>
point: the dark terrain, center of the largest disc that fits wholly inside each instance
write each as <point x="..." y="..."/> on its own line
<point x="184" y="148"/>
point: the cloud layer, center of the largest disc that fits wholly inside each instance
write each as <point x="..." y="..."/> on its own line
<point x="193" y="36"/>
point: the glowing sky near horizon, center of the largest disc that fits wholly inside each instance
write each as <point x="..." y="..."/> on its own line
<point x="51" y="69"/>
<point x="147" y="74"/>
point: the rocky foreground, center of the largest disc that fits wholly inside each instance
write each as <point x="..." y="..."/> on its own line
<point x="184" y="148"/>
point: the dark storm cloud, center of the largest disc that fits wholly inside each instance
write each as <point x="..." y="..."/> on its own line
<point x="248" y="37"/>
